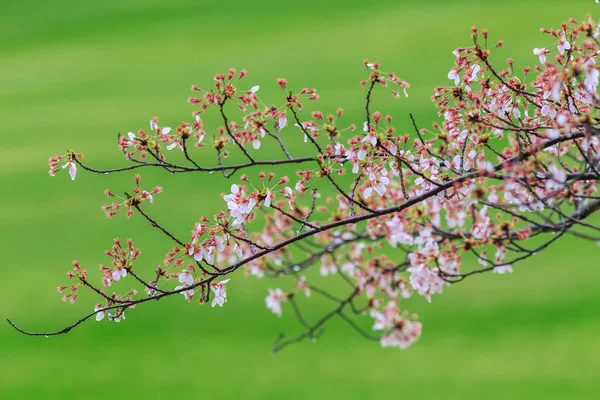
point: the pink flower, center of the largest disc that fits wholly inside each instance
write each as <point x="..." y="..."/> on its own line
<point x="99" y="314"/>
<point x="387" y="318"/>
<point x="558" y="177"/>
<point x="541" y="53"/>
<point x="173" y="145"/>
<point x="186" y="277"/>
<point x="220" y="292"/>
<point x="132" y="139"/>
<point x="147" y="195"/>
<point x="72" y="169"/>
<point x="503" y="269"/>
<point x="371" y="138"/>
<point x="282" y="122"/>
<point x="563" y="45"/>
<point x="397" y="234"/>
<point x="302" y="285"/>
<point x="118" y="273"/>
<point x="378" y="181"/>
<point x="453" y="74"/>
<point x="238" y="206"/>
<point x="405" y="334"/>
<point x="268" y="198"/>
<point x="186" y="293"/>
<point x="425" y="281"/>
<point x="327" y="266"/>
<point x="273" y="301"/>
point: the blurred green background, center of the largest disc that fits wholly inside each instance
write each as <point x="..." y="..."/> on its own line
<point x="74" y="73"/>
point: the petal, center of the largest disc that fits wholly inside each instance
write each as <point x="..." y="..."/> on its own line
<point x="72" y="170"/>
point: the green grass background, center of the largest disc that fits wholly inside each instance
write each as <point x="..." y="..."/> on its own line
<point x="73" y="73"/>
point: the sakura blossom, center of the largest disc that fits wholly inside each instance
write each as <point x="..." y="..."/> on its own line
<point x="396" y="210"/>
<point x="403" y="336"/>
<point x="118" y="273"/>
<point x="187" y="293"/>
<point x="72" y="168"/>
<point x="274" y="300"/>
<point x="186" y="277"/>
<point x="99" y="312"/>
<point x="503" y="269"/>
<point x="541" y="53"/>
<point x="453" y="75"/>
<point x="220" y="293"/>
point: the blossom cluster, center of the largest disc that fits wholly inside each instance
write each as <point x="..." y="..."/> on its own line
<point x="510" y="168"/>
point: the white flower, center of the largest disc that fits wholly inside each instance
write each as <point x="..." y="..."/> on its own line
<point x="591" y="80"/>
<point x="238" y="251"/>
<point x="397" y="233"/>
<point x="403" y="336"/>
<point x="100" y="314"/>
<point x="563" y="45"/>
<point x="173" y="145"/>
<point x="119" y="273"/>
<point x="503" y="269"/>
<point x="327" y="266"/>
<point x="362" y="153"/>
<point x="238" y="206"/>
<point x="186" y="293"/>
<point x="273" y="301"/>
<point x="72" y="169"/>
<point x="220" y="293"/>
<point x="453" y="74"/>
<point x="147" y="195"/>
<point x="558" y="177"/>
<point x="282" y="122"/>
<point x="132" y="137"/>
<point x="268" y="198"/>
<point x="371" y="139"/>
<point x="541" y="53"/>
<point x="425" y="281"/>
<point x="186" y="277"/>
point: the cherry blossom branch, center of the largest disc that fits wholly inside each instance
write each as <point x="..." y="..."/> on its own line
<point x="526" y="148"/>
